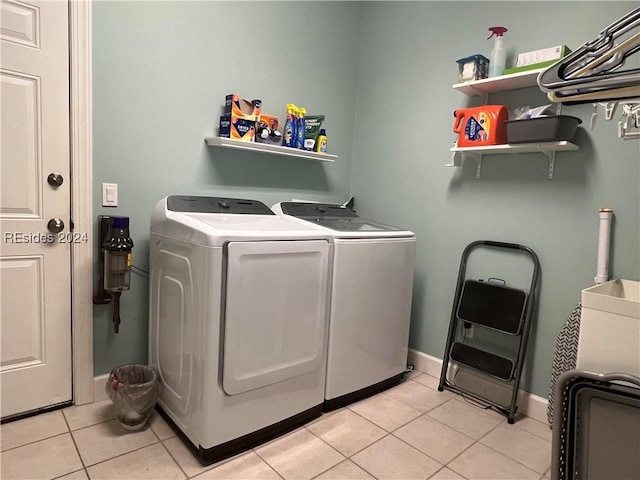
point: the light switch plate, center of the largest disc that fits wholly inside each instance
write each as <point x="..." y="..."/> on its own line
<point x="109" y="194"/>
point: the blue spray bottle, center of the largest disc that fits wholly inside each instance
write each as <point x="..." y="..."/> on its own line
<point x="289" y="134"/>
<point x="301" y="129"/>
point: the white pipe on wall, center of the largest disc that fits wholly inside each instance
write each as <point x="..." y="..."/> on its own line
<point x="602" y="268"/>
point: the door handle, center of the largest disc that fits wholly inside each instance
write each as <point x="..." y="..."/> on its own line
<point x="55" y="179"/>
<point x="55" y="225"/>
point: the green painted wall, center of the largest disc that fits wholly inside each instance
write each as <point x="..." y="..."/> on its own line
<point x="382" y="73"/>
<point x="161" y="71"/>
<point x="407" y="67"/>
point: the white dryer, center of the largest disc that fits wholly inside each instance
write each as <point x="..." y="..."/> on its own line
<point x="371" y="293"/>
<point x="238" y="320"/>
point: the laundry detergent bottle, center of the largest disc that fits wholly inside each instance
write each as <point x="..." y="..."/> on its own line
<point x="321" y="142"/>
<point x="498" y="56"/>
<point x="479" y="126"/>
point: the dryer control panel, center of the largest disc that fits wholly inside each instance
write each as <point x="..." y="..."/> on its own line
<point x="194" y="204"/>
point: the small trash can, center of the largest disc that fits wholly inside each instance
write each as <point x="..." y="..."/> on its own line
<point x="133" y="389"/>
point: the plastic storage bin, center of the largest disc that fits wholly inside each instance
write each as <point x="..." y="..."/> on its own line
<point x="475" y="67"/>
<point x="610" y="328"/>
<point x="133" y="389"/>
<point x="542" y="129"/>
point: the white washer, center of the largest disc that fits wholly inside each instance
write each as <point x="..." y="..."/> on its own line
<point x="238" y="320"/>
<point x="371" y="292"/>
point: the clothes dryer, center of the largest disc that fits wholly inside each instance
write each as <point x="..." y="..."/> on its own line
<point x="238" y="320"/>
<point x="371" y="293"/>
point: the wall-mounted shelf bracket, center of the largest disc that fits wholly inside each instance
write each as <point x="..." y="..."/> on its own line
<point x="548" y="149"/>
<point x="456" y="158"/>
<point x="458" y="155"/>
<point x="478" y="159"/>
<point x="551" y="155"/>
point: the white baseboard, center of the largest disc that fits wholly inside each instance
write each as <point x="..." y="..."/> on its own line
<point x="528" y="404"/>
<point x="99" y="392"/>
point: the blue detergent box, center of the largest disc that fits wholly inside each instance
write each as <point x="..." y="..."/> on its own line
<point x="237" y="128"/>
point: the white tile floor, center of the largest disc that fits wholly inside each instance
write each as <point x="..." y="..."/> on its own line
<point x="411" y="431"/>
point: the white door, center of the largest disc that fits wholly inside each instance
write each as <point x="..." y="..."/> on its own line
<point x="35" y="277"/>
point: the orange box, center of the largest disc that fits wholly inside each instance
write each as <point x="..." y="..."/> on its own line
<point x="237" y="107"/>
<point x="270" y="120"/>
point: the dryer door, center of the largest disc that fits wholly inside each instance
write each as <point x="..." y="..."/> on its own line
<point x="275" y="314"/>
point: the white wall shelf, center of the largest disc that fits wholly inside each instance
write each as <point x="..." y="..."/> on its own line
<point x="268" y="149"/>
<point x="499" y="84"/>
<point x="548" y="149"/>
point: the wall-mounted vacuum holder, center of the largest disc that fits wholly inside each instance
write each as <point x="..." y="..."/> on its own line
<point x="114" y="262"/>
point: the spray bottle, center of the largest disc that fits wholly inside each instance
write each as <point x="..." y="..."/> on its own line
<point x="289" y="139"/>
<point x="498" y="54"/>
<point x="301" y="128"/>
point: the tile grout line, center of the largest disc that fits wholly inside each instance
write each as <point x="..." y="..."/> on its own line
<point x="166" y="449"/>
<point x="400" y="426"/>
<point x="454" y="429"/>
<point x="448" y="464"/>
<point x="254" y="450"/>
<point x="533" y="433"/>
<point x="490" y="448"/>
<point x="75" y="471"/>
<point x="362" y="467"/>
<point x="505" y="455"/>
<point x="35" y="441"/>
<point x="418" y="450"/>
<point x="40" y="439"/>
<point x="475" y="441"/>
<point x="443" y="467"/>
<point x="172" y="457"/>
<point x="512" y="459"/>
<point x="387" y="433"/>
<point x="75" y="445"/>
<point x="119" y="455"/>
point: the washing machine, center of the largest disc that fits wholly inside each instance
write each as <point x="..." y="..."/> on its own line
<point x="371" y="290"/>
<point x="238" y="321"/>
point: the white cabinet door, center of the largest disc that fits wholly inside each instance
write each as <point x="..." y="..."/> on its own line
<point x="275" y="315"/>
<point x="35" y="278"/>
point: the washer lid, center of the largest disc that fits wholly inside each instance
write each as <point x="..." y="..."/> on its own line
<point x="341" y="221"/>
<point x="199" y="220"/>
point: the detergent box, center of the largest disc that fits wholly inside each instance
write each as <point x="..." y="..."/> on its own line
<point x="237" y="107"/>
<point x="267" y="130"/>
<point x="539" y="58"/>
<point x="237" y="128"/>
